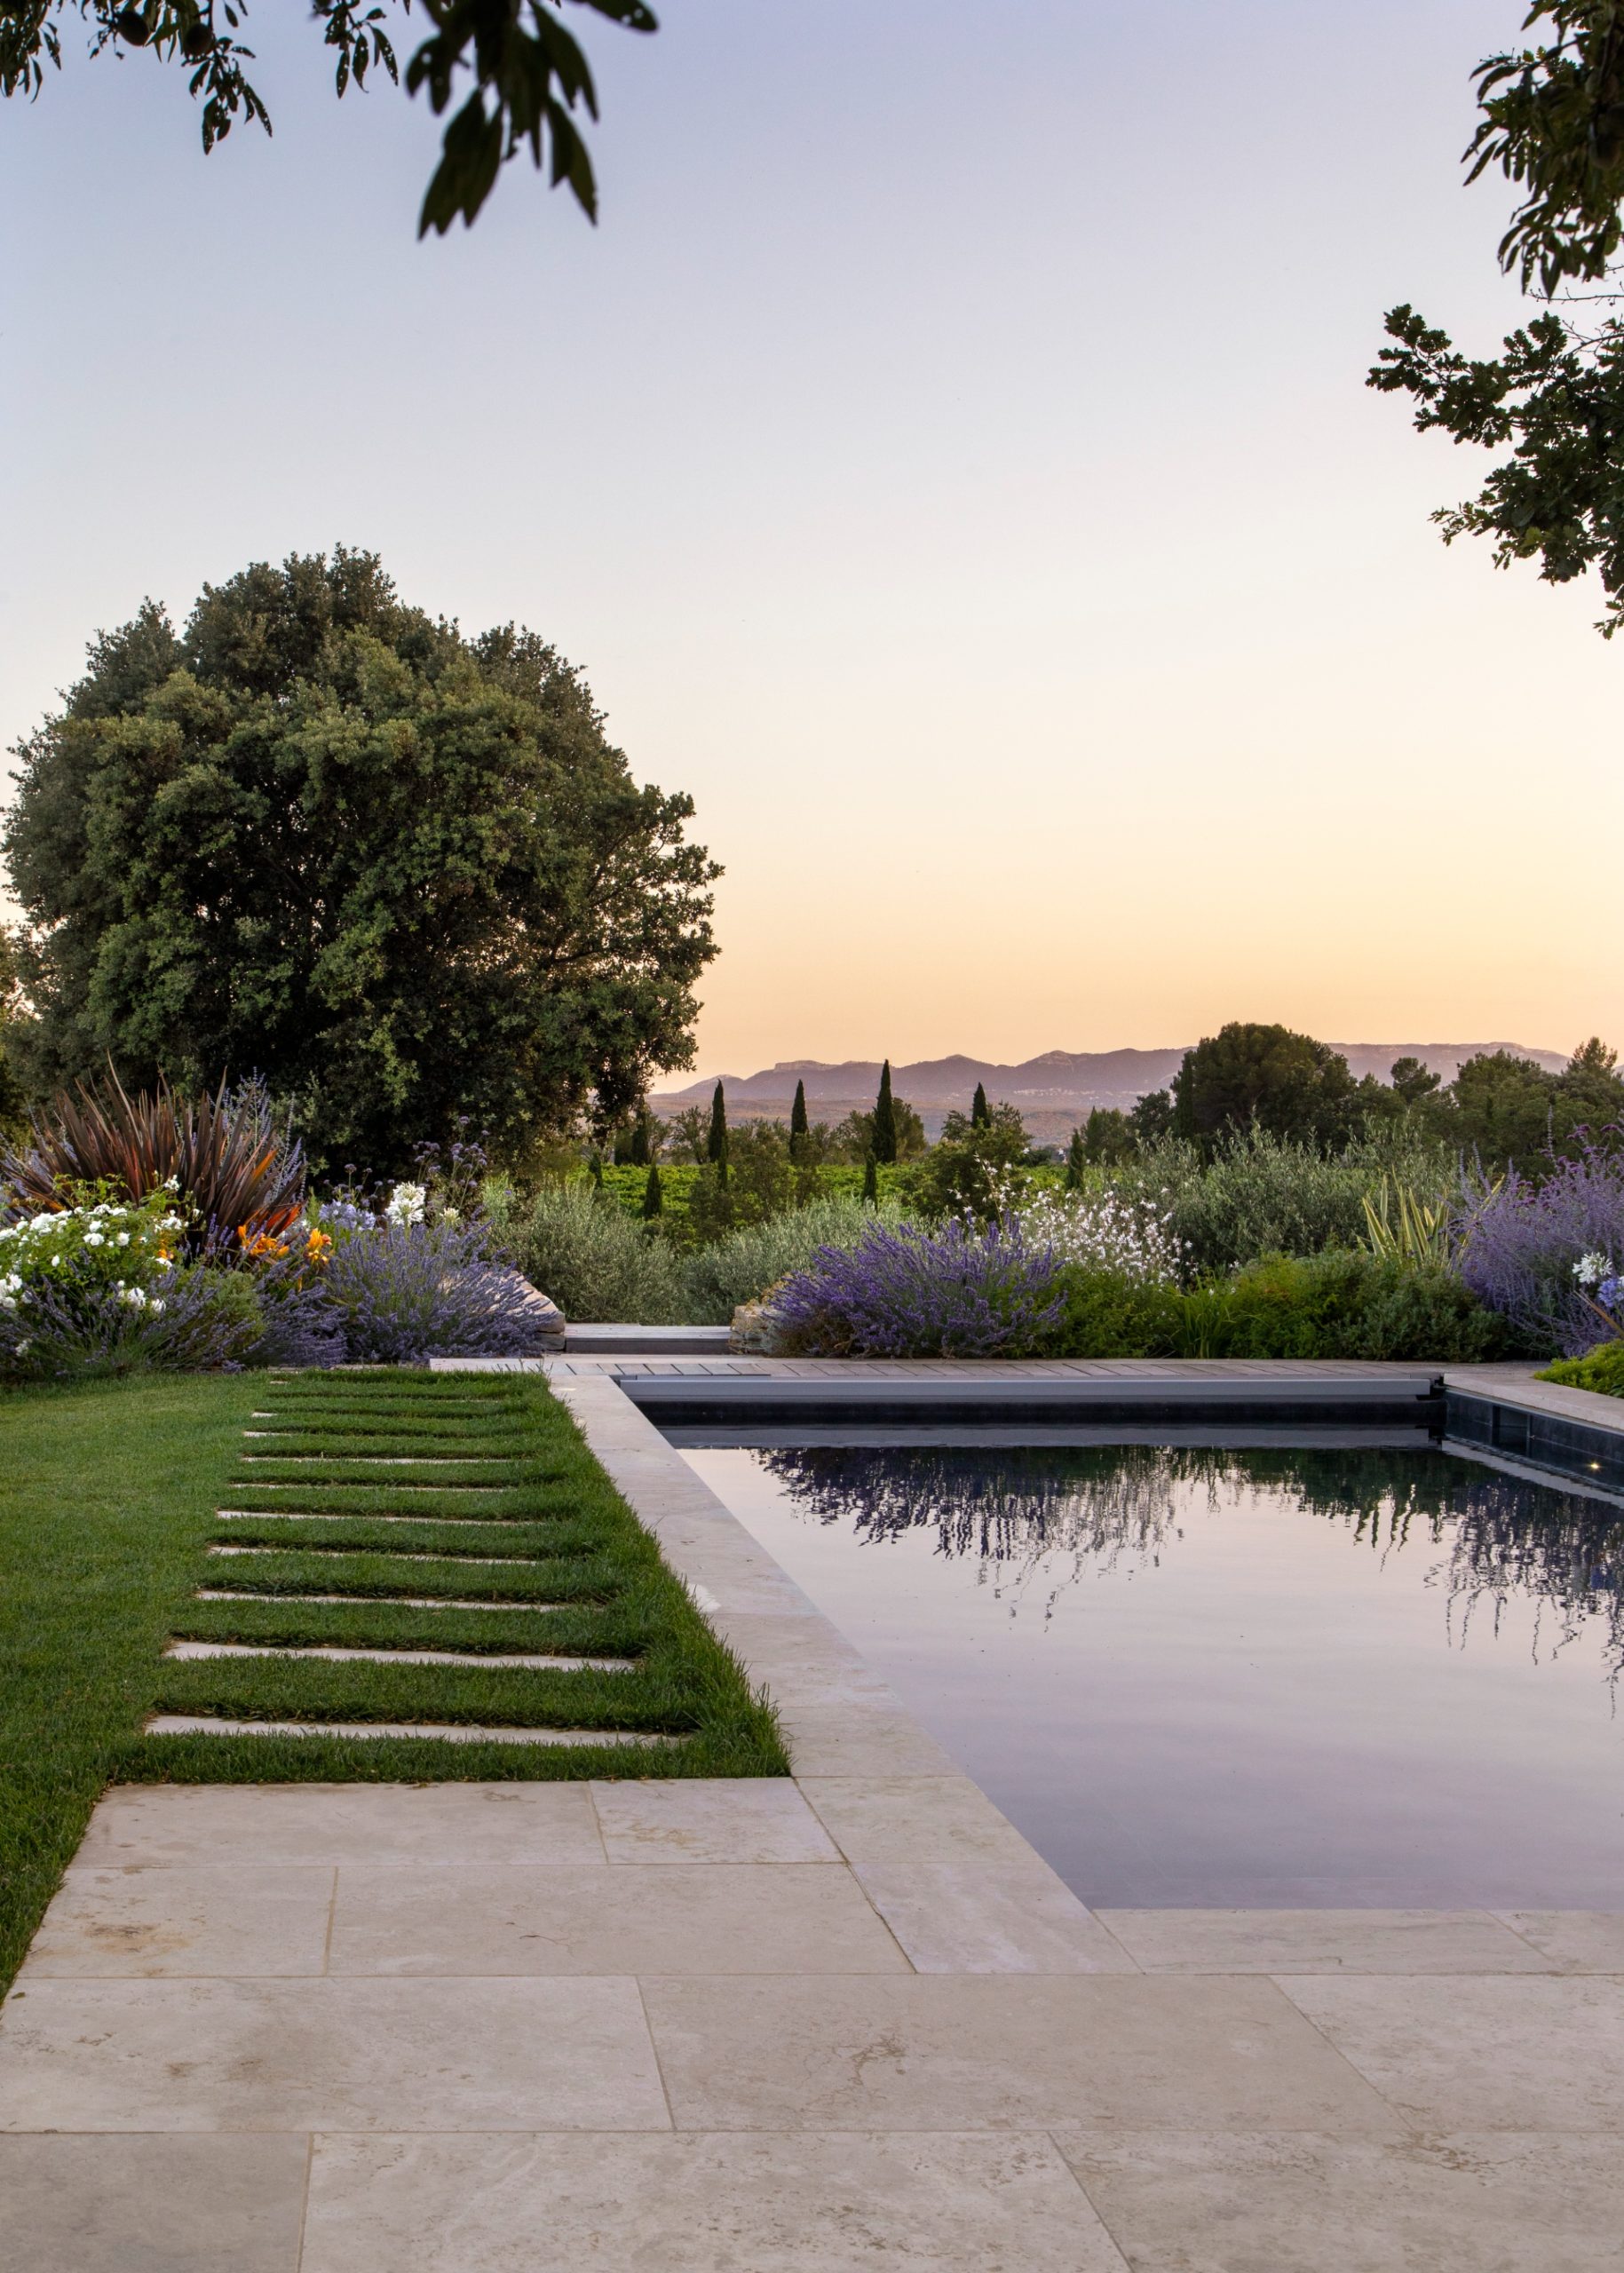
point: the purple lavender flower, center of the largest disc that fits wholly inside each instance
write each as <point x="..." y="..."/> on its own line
<point x="1516" y="1244"/>
<point x="909" y="1292"/>
<point x="187" y="1320"/>
<point x="405" y="1292"/>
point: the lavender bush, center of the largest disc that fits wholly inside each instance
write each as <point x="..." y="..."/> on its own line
<point x="1519" y="1247"/>
<point x="404" y="1291"/>
<point x="75" y="1322"/>
<point x="909" y="1292"/>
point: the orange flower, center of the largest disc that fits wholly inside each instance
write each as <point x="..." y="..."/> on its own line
<point x="318" y="1245"/>
<point x="259" y="1245"/>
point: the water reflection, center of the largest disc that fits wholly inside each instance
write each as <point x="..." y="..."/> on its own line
<point x="1038" y="1520"/>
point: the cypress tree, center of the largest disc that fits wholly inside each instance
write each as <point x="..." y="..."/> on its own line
<point x="871" y="1183"/>
<point x="1076" y="1154"/>
<point x="980" y="1112"/>
<point x="654" y="1198"/>
<point x="799" y="1126"/>
<point x="884" y="1119"/>
<point x="640" y="1153"/>
<point x="595" y="1169"/>
<point x="715" y="1146"/>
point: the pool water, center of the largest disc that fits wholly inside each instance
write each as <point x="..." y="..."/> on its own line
<point x="1295" y="1676"/>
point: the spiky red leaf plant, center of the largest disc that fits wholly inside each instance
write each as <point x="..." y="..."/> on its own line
<point x="237" y="1176"/>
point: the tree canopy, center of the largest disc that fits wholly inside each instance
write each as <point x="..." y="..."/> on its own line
<point x="1287" y="1083"/>
<point x="529" y="71"/>
<point x="400" y="874"/>
<point x="1509" y="1111"/>
<point x="1551" y="119"/>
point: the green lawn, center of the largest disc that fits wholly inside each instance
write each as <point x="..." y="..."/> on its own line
<point x="110" y="1496"/>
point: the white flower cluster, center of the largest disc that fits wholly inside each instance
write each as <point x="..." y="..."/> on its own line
<point x="1104" y="1231"/>
<point x="47" y="1242"/>
<point x="1591" y="1268"/>
<point x="406" y="1204"/>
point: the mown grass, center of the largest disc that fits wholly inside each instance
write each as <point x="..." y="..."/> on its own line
<point x="109" y="1500"/>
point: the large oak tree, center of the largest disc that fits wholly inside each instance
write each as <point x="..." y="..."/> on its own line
<point x="402" y="875"/>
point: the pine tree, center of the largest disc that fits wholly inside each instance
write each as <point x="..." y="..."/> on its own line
<point x="716" y="1147"/>
<point x="799" y="1126"/>
<point x="980" y="1112"/>
<point x="884" y="1119"/>
<point x="654" y="1198"/>
<point x="871" y="1183"/>
<point x="1076" y="1157"/>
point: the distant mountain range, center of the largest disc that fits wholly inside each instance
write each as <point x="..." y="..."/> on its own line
<point x="1053" y="1092"/>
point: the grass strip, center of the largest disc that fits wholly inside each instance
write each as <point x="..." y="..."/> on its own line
<point x="108" y="1503"/>
<point x="535" y="1502"/>
<point x="490" y="1578"/>
<point x="362" y="1427"/>
<point x="361" y="1535"/>
<point x="581" y="1629"/>
<point x="470" y="1475"/>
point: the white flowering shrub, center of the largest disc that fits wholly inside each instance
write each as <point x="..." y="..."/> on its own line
<point x="113" y="1246"/>
<point x="104" y="1286"/>
<point x="1101" y="1230"/>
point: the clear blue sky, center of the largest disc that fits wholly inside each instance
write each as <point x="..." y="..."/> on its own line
<point x="949" y="459"/>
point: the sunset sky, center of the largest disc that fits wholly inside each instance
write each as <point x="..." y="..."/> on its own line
<point x="949" y="459"/>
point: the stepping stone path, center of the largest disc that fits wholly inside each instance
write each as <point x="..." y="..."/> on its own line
<point x="344" y="1451"/>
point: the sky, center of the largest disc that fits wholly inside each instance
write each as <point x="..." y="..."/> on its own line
<point x="948" y="459"/>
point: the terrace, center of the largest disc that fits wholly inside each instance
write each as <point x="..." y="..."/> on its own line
<point x="812" y="2020"/>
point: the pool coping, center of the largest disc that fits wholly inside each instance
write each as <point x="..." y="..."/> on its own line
<point x="1537" y="1428"/>
<point x="839" y="1717"/>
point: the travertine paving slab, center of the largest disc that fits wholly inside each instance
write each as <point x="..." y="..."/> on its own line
<point x="914" y="1819"/>
<point x="1529" y="2055"/>
<point x="392" y="1602"/>
<point x="801" y="2204"/>
<point x="756" y="1819"/>
<point x="1293" y="2202"/>
<point x="1322" y="1941"/>
<point x="845" y="1740"/>
<point x="731" y="1918"/>
<point x="990" y="1918"/>
<point x="199" y="1919"/>
<point x="329" y="2055"/>
<point x="205" y="1724"/>
<point x="920" y="2053"/>
<point x="1573" y="1941"/>
<point x="340" y="1653"/>
<point x="154" y="2204"/>
<point x="342" y="1822"/>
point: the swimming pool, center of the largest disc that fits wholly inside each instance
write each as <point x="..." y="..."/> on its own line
<point x="1294" y="1674"/>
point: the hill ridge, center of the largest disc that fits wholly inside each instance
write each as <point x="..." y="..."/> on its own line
<point x="1054" y="1090"/>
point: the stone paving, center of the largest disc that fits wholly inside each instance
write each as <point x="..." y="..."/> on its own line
<point x="850" y="2021"/>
